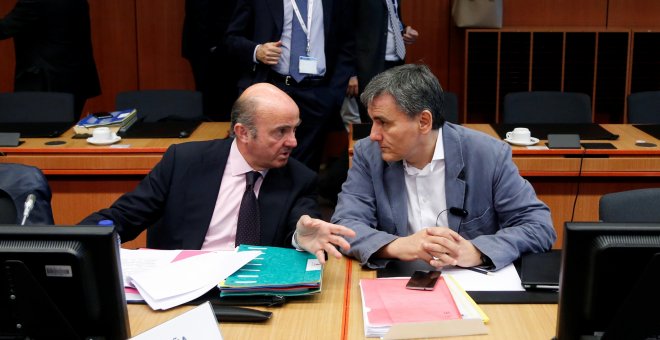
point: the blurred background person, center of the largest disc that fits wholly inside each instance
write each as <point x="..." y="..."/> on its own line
<point x="53" y="46"/>
<point x="203" y="45"/>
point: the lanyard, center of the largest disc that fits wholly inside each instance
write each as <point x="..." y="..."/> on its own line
<point x="305" y="27"/>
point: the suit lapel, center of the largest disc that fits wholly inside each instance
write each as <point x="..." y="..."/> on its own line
<point x="273" y="192"/>
<point x="455" y="185"/>
<point x="277" y="11"/>
<point x="327" y="14"/>
<point x="396" y="192"/>
<point x="202" y="193"/>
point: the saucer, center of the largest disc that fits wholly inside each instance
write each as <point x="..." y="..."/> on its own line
<point x="532" y="141"/>
<point x="114" y="140"/>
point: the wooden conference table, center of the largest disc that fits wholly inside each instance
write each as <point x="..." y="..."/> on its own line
<point x="84" y="177"/>
<point x="559" y="175"/>
<point x="336" y="313"/>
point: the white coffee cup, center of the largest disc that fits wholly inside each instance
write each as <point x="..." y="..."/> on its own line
<point x="102" y="134"/>
<point x="519" y="134"/>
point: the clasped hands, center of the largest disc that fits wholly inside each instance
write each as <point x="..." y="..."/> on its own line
<point x="438" y="246"/>
<point x="317" y="236"/>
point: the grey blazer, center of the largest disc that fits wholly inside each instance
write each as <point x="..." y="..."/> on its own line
<point x="504" y="217"/>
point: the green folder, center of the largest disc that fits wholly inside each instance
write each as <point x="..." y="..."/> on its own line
<point x="278" y="271"/>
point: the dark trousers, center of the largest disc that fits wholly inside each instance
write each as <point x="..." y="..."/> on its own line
<point x="316" y="104"/>
<point x="217" y="83"/>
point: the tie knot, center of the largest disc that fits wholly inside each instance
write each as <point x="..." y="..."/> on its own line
<point x="251" y="178"/>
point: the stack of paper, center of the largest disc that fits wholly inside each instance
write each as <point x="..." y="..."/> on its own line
<point x="387" y="304"/>
<point x="119" y="121"/>
<point x="278" y="271"/>
<point x="187" y="277"/>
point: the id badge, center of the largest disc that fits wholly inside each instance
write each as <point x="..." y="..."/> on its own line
<point x="307" y="65"/>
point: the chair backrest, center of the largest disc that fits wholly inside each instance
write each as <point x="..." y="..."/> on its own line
<point x="644" y="107"/>
<point x="161" y="105"/>
<point x="546" y="107"/>
<point x="641" y="205"/>
<point x="451" y="107"/>
<point x="18" y="181"/>
<point x="36" y="107"/>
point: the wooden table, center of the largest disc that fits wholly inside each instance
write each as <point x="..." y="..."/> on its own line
<point x="337" y="314"/>
<point x="559" y="176"/>
<point x="85" y="178"/>
<point x="314" y="317"/>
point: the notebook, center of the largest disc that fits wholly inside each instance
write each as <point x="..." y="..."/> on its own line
<point x="541" y="270"/>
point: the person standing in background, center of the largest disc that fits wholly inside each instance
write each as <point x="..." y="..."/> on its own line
<point x="53" y="46"/>
<point x="203" y="45"/>
<point x="304" y="47"/>
<point x="382" y="36"/>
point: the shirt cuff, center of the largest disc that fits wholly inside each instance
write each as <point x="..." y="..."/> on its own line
<point x="294" y="241"/>
<point x="254" y="56"/>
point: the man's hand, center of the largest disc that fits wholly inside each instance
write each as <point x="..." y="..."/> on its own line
<point x="352" y="89"/>
<point x="450" y="248"/>
<point x="410" y="35"/>
<point x="438" y="246"/>
<point x="316" y="236"/>
<point x="269" y="53"/>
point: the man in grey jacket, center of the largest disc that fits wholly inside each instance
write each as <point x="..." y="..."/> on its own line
<point x="422" y="188"/>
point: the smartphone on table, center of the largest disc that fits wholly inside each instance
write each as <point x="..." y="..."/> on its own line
<point x="423" y="279"/>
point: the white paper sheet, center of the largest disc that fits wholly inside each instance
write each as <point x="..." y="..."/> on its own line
<point x="505" y="279"/>
<point x="178" y="282"/>
<point x="134" y="261"/>
<point x="197" y="323"/>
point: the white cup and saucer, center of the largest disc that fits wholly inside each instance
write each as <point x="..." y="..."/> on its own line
<point x="103" y="136"/>
<point x="520" y="136"/>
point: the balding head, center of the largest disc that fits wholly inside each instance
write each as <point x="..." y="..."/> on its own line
<point x="257" y="98"/>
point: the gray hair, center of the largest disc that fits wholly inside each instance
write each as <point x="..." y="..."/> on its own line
<point x="414" y="88"/>
<point x="243" y="112"/>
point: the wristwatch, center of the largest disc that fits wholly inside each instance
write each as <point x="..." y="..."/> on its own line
<point x="486" y="261"/>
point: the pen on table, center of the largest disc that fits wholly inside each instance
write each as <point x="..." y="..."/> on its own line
<point x="478" y="270"/>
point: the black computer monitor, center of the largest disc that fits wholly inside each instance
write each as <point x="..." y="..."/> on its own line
<point x="610" y="281"/>
<point x="61" y="282"/>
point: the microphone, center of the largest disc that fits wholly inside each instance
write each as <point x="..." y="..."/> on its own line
<point x="458" y="211"/>
<point x="27" y="208"/>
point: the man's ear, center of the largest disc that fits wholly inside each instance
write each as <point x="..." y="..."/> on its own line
<point x="425" y="121"/>
<point x="241" y="132"/>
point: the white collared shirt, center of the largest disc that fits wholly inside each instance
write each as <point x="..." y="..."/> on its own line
<point x="221" y="234"/>
<point x="427" y="204"/>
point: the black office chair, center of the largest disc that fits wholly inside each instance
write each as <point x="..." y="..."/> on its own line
<point x="451" y="107"/>
<point x="17" y="181"/>
<point x="36" y="107"/>
<point x="546" y="107"/>
<point x="641" y="205"/>
<point x="162" y="105"/>
<point x="644" y="107"/>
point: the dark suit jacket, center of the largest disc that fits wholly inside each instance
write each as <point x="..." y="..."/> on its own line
<point x="53" y="46"/>
<point x="372" y="21"/>
<point x="19" y="181"/>
<point x="260" y="21"/>
<point x="175" y="201"/>
<point x="204" y="27"/>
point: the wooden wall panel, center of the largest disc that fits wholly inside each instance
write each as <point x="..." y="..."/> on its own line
<point x="591" y="13"/>
<point x="159" y="26"/>
<point x="432" y="19"/>
<point x="634" y="13"/>
<point x="7" y="58"/>
<point x="115" y="50"/>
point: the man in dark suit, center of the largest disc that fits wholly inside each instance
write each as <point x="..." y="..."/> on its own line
<point x="53" y="48"/>
<point x="264" y="36"/>
<point x="192" y="198"/>
<point x="377" y="51"/>
<point x="203" y="45"/>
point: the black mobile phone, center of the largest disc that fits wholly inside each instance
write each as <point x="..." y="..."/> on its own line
<point x="423" y="280"/>
<point x="101" y="115"/>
